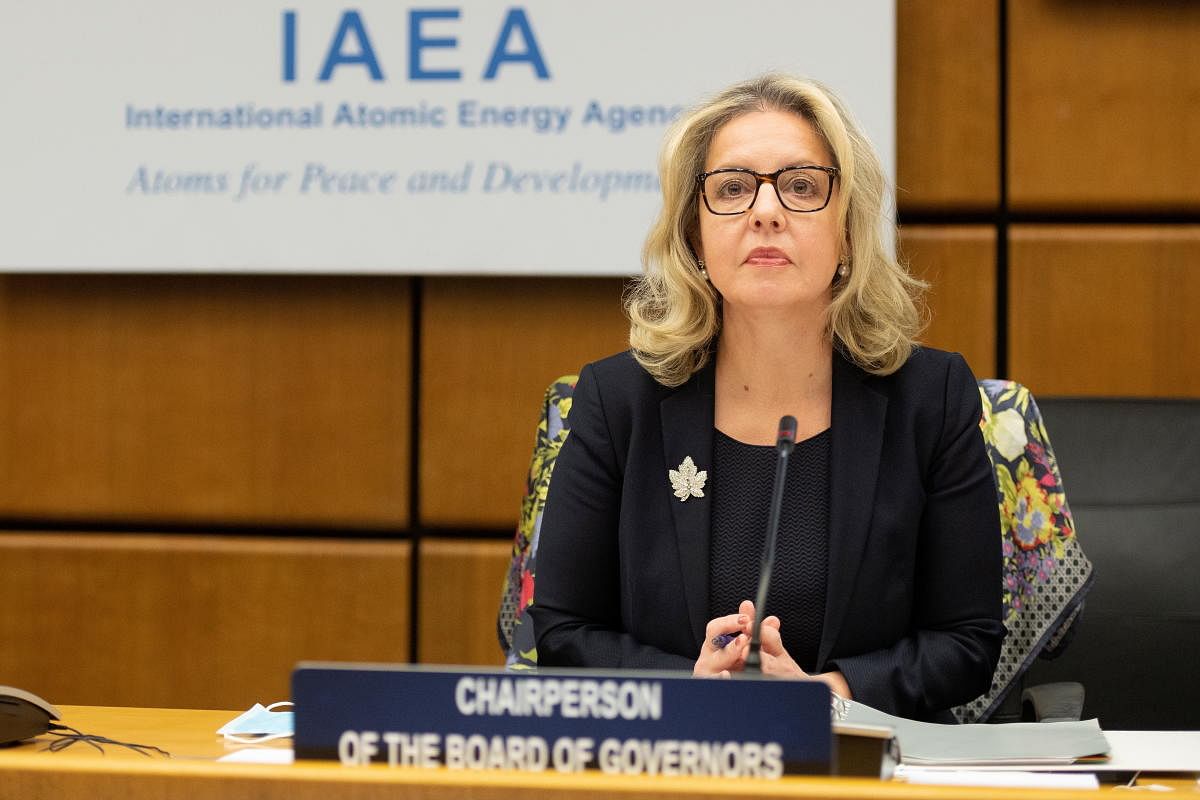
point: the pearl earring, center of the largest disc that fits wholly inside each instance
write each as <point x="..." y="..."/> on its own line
<point x="843" y="268"/>
<point x="703" y="271"/>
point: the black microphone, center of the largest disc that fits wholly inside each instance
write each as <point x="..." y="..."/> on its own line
<point x="784" y="444"/>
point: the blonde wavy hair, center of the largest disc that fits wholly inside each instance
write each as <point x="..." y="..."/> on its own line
<point x="675" y="314"/>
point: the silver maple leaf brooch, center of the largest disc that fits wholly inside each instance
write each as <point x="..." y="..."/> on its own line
<point x="686" y="481"/>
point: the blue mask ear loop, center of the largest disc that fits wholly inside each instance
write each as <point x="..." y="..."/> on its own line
<point x="264" y="737"/>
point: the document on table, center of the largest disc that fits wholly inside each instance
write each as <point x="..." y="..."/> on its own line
<point x="259" y="755"/>
<point x="1154" y="751"/>
<point x="1018" y="743"/>
<point x="1013" y="779"/>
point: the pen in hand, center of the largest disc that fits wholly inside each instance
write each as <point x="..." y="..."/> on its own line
<point x="722" y="641"/>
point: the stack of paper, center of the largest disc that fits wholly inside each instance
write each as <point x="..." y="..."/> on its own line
<point x="1027" y="743"/>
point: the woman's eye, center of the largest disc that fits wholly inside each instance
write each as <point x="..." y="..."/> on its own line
<point x="801" y="187"/>
<point x="733" y="188"/>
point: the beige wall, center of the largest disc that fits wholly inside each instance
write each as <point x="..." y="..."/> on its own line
<point x="268" y="421"/>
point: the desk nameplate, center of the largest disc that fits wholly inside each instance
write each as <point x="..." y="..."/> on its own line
<point x="564" y="721"/>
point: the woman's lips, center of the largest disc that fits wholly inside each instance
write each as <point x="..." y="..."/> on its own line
<point x="767" y="257"/>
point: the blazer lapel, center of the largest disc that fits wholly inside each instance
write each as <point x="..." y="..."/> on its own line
<point x="858" y="415"/>
<point x="686" y="416"/>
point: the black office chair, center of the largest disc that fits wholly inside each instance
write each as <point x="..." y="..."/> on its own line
<point x="1134" y="470"/>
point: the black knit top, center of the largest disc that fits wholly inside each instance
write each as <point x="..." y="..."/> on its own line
<point x="741" y="480"/>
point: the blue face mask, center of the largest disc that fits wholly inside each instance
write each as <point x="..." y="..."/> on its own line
<point x="260" y="724"/>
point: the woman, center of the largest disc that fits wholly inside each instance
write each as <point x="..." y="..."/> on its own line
<point x="768" y="291"/>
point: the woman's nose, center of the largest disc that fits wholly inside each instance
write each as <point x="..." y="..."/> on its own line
<point x="767" y="209"/>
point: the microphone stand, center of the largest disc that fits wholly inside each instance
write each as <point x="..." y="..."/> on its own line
<point x="784" y="445"/>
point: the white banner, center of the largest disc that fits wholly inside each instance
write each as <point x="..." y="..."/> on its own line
<point x="384" y="136"/>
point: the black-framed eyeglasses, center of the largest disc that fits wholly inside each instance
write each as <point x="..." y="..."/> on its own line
<point x="734" y="190"/>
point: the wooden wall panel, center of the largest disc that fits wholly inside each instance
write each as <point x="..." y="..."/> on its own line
<point x="209" y="399"/>
<point x="489" y="348"/>
<point x="947" y="104"/>
<point x="1104" y="105"/>
<point x="959" y="263"/>
<point x="459" y="595"/>
<point x="1105" y="310"/>
<point x="192" y="621"/>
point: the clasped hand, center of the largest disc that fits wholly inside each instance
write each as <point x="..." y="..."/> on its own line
<point x="717" y="661"/>
<point x="721" y="662"/>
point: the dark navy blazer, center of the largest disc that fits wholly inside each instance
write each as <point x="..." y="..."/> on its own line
<point x="913" y="605"/>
